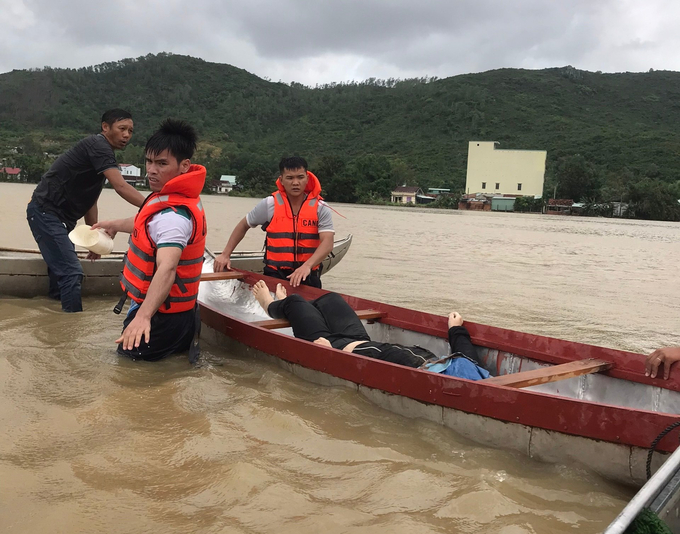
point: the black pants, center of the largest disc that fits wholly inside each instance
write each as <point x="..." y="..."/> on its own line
<point x="313" y="280"/>
<point x="331" y="317"/>
<point x="170" y="333"/>
<point x="328" y="316"/>
<point x="63" y="267"/>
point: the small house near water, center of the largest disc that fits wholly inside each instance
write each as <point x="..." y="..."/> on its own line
<point x="225" y="185"/>
<point x="132" y="174"/>
<point x="406" y="194"/>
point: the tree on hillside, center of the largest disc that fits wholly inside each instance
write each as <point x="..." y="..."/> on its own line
<point x="616" y="184"/>
<point x="577" y="178"/>
<point x="653" y="199"/>
<point x="328" y="167"/>
<point x="338" y="185"/>
<point x="257" y="178"/>
<point x="373" y="176"/>
<point x="32" y="167"/>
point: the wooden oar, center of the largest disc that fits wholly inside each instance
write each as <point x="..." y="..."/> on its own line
<point x="34" y="251"/>
<point x="225" y="275"/>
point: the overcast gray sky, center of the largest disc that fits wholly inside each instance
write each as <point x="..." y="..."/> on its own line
<point x="318" y="41"/>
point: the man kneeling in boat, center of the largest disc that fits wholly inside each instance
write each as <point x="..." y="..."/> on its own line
<point x="163" y="264"/>
<point x="331" y="322"/>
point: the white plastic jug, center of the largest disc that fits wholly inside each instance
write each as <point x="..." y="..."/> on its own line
<point x="97" y="241"/>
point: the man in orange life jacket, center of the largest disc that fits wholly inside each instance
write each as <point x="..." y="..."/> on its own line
<point x="298" y="223"/>
<point x="163" y="265"/>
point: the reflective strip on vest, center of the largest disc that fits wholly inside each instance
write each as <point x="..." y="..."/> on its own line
<point x="280" y="235"/>
<point x="302" y="236"/>
<point x="137" y="271"/>
<point x="130" y="289"/>
<point x="292" y="250"/>
<point x="192" y="262"/>
<point x="191" y="280"/>
<point x="180" y="299"/>
<point x="139" y="253"/>
<point x="291" y="235"/>
<point x="161" y="198"/>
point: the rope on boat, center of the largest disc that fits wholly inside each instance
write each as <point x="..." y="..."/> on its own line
<point x="655" y="443"/>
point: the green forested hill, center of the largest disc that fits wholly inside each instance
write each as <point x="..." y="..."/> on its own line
<point x="617" y="129"/>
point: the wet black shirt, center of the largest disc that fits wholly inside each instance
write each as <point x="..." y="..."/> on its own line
<point x="74" y="182"/>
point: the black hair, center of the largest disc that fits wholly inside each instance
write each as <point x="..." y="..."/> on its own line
<point x="115" y="115"/>
<point x="293" y="163"/>
<point x="177" y="137"/>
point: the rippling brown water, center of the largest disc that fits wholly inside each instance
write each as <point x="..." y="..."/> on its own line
<point x="94" y="443"/>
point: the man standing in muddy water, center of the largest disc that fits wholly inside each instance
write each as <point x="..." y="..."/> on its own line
<point x="298" y="223"/>
<point x="68" y="191"/>
<point x="163" y="264"/>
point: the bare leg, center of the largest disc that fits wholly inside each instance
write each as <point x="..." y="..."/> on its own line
<point x="323" y="341"/>
<point x="281" y="292"/>
<point x="261" y="293"/>
<point x="455" y="319"/>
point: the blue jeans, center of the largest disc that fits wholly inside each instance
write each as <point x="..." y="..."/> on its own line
<point x="63" y="267"/>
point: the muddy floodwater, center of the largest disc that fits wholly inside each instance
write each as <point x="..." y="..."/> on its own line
<point x="95" y="443"/>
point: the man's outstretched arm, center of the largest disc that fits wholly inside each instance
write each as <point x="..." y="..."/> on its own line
<point x="459" y="337"/>
<point x="223" y="261"/>
<point x="114" y="226"/>
<point x="124" y="189"/>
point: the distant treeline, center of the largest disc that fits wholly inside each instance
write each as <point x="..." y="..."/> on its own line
<point x="609" y="137"/>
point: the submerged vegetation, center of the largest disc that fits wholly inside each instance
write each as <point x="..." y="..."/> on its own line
<point x="609" y="137"/>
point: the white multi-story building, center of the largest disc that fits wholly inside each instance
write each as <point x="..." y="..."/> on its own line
<point x="227" y="183"/>
<point x="132" y="174"/>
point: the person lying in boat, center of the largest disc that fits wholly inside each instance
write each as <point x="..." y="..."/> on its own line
<point x="331" y="322"/>
<point x="665" y="356"/>
<point x="298" y="223"/>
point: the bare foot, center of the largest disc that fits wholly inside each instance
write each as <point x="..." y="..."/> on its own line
<point x="322" y="341"/>
<point x="261" y="293"/>
<point x="281" y="292"/>
<point x="455" y="319"/>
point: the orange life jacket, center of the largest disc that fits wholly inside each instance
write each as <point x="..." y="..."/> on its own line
<point x="140" y="260"/>
<point x="292" y="240"/>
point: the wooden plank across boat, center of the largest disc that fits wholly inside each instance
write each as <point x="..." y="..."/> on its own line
<point x="553" y="400"/>
<point x="23" y="272"/>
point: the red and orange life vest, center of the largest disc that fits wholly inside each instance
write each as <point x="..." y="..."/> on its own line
<point x="140" y="260"/>
<point x="292" y="240"/>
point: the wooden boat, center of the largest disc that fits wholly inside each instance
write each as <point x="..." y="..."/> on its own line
<point x="553" y="400"/>
<point x="23" y="272"/>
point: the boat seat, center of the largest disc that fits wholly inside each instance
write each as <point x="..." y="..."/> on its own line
<point x="551" y="373"/>
<point x="273" y="324"/>
<point x="226" y="275"/>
